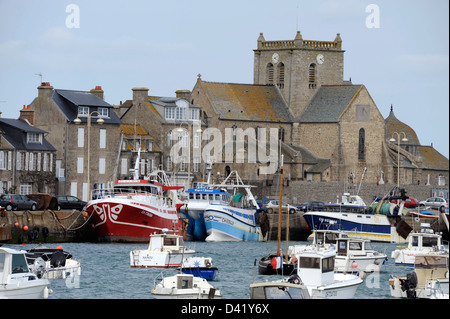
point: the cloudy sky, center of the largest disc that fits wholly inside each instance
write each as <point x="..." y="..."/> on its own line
<point x="399" y="49"/>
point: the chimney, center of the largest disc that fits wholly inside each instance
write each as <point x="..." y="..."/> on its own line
<point x="45" y="90"/>
<point x="27" y="114"/>
<point x="183" y="94"/>
<point x="140" y="95"/>
<point x="98" y="91"/>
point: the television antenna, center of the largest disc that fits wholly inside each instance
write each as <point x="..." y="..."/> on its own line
<point x="39" y="74"/>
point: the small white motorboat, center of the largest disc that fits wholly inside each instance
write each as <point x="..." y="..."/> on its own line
<point x="354" y="255"/>
<point x="52" y="263"/>
<point x="316" y="270"/>
<point x="429" y="280"/>
<point x="16" y="280"/>
<point x="185" y="286"/>
<point x="164" y="251"/>
<point x="426" y="241"/>
<point x="292" y="288"/>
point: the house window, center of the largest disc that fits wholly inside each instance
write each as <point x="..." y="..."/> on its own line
<point x="26" y="188"/>
<point x="103" y="111"/>
<point x="34" y="138"/>
<point x="102" y="138"/>
<point x="81" y="137"/>
<point x="124" y="166"/>
<point x="83" y="111"/>
<point x="181" y="112"/>
<point x="361" y="146"/>
<point x="101" y="166"/>
<point x="169" y="163"/>
<point x="312" y="76"/>
<point x="270" y="73"/>
<point x="80" y="163"/>
<point x="169" y="138"/>
<point x="281" y="134"/>
<point x="2" y="160"/>
<point x="170" y="113"/>
<point x="194" y="114"/>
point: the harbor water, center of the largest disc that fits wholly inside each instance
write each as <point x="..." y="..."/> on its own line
<point x="106" y="271"/>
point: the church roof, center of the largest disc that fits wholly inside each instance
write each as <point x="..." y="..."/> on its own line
<point x="328" y="104"/>
<point x="393" y="124"/>
<point x="432" y="159"/>
<point x="251" y="102"/>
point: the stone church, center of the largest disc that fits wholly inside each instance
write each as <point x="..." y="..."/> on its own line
<point x="329" y="129"/>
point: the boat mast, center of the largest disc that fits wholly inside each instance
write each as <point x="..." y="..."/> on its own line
<point x="279" y="207"/>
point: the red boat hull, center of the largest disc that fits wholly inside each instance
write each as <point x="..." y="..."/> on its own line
<point x="125" y="220"/>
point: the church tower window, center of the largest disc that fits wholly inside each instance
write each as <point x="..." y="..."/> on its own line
<point x="312" y="76"/>
<point x="280" y="75"/>
<point x="270" y="73"/>
<point x="361" y="145"/>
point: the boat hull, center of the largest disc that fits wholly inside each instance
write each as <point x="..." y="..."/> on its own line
<point x="35" y="291"/>
<point x="223" y="224"/>
<point x="151" y="259"/>
<point x="127" y="220"/>
<point x="344" y="288"/>
<point x="375" y="227"/>
<point x="366" y="264"/>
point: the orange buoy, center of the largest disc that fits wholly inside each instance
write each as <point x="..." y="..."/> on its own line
<point x="25" y="228"/>
<point x="16" y="224"/>
<point x="354" y="264"/>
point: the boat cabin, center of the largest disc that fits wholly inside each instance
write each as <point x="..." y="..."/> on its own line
<point x="208" y="196"/>
<point x="278" y="290"/>
<point x="425" y="239"/>
<point x="166" y="242"/>
<point x="327" y="237"/>
<point x="316" y="268"/>
<point x="353" y="246"/>
<point x="11" y="262"/>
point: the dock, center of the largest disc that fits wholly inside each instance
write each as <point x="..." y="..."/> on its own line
<point x="18" y="227"/>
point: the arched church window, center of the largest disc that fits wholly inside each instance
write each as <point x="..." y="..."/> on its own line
<point x="281" y="134"/>
<point x="270" y="73"/>
<point x="361" y="145"/>
<point x="312" y="76"/>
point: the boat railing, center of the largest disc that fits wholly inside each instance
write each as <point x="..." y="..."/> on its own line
<point x="131" y="193"/>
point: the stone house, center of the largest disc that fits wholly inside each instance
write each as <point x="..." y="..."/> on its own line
<point x="86" y="153"/>
<point x="27" y="159"/>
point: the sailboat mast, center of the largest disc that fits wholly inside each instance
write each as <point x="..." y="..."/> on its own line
<point x="279" y="207"/>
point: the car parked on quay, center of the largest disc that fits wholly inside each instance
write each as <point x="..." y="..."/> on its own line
<point x="17" y="202"/>
<point x="439" y="203"/>
<point x="410" y="202"/>
<point x="273" y="206"/>
<point x="263" y="203"/>
<point x="69" y="202"/>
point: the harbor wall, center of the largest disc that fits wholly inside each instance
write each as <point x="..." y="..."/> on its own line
<point x="17" y="227"/>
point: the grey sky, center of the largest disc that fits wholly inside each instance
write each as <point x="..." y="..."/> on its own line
<point x="163" y="45"/>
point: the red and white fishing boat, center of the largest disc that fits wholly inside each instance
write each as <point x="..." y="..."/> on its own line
<point x="133" y="209"/>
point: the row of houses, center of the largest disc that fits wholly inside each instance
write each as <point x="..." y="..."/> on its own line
<point x="326" y="129"/>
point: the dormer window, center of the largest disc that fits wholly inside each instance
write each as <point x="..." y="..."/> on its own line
<point x="194" y="114"/>
<point x="34" y="138"/>
<point x="103" y="111"/>
<point x="83" y="111"/>
<point x="170" y="113"/>
<point x="181" y="109"/>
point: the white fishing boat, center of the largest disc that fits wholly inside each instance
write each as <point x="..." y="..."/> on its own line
<point x="425" y="241"/>
<point x="185" y="286"/>
<point x="316" y="270"/>
<point x="52" y="263"/>
<point x="164" y="251"/>
<point x="16" y="280"/>
<point x="353" y="255"/>
<point x="429" y="279"/>
<point x="236" y="221"/>
<point x="291" y="288"/>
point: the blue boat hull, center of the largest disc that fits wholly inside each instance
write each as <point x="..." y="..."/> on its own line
<point x="205" y="273"/>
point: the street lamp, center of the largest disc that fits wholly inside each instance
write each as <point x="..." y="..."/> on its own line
<point x="404" y="139"/>
<point x="100" y="121"/>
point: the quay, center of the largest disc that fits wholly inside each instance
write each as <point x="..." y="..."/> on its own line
<point x="17" y="227"/>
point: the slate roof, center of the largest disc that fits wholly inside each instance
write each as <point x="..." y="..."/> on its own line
<point x="392" y="124"/>
<point x="251" y="102"/>
<point x="15" y="132"/>
<point x="432" y="159"/>
<point x="328" y="104"/>
<point x="68" y="102"/>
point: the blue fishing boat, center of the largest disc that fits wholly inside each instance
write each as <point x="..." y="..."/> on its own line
<point x="199" y="267"/>
<point x="198" y="201"/>
<point x="237" y="220"/>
